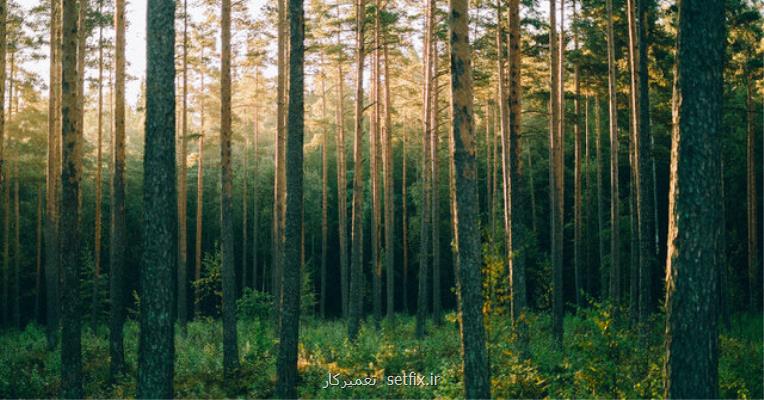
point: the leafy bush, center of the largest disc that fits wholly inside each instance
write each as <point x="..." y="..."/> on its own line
<point x="255" y="305"/>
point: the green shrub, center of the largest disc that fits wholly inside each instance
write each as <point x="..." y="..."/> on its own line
<point x="255" y="305"/>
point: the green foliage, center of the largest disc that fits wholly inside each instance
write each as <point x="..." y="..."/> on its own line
<point x="255" y="305"/>
<point x="601" y="358"/>
<point x="209" y="286"/>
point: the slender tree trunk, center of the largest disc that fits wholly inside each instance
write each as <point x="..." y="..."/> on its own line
<point x="753" y="243"/>
<point x="52" y="254"/>
<point x="532" y="189"/>
<point x="6" y="247"/>
<point x="634" y="195"/>
<point x="182" y="191"/>
<point x="38" y="257"/>
<point x="387" y="172"/>
<point x="286" y="386"/>
<point x="355" y="306"/>
<point x="16" y="249"/>
<point x="695" y="230"/>
<point x="554" y="199"/>
<point x="648" y="248"/>
<point x="424" y="249"/>
<point x="324" y="193"/>
<point x="405" y="223"/>
<point x="3" y="44"/>
<point x="278" y="182"/>
<point x="374" y="125"/>
<point x="118" y="218"/>
<point x="200" y="191"/>
<point x="615" y="264"/>
<point x="600" y="198"/>
<point x="342" y="188"/>
<point x="230" y="347"/>
<point x="99" y="197"/>
<point x="477" y="375"/>
<point x="156" y="349"/>
<point x="517" y="198"/>
<point x="255" y="197"/>
<point x="435" y="188"/>
<point x="71" y="140"/>
<point x="578" y="217"/>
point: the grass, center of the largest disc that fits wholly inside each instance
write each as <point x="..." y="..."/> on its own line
<point x="600" y="359"/>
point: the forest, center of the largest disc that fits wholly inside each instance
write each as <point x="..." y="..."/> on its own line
<point x="381" y="199"/>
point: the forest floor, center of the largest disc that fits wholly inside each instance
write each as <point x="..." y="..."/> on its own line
<point x="600" y="358"/>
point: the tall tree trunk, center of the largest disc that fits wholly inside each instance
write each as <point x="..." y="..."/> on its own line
<point x="752" y="199"/>
<point x="435" y="188"/>
<point x="646" y="207"/>
<point x="477" y="375"/>
<point x="615" y="264"/>
<point x="578" y="217"/>
<point x="554" y="207"/>
<point x="324" y="193"/>
<point x="16" y="249"/>
<point x="286" y="368"/>
<point x="199" y="191"/>
<point x="38" y="257"/>
<point x="600" y="198"/>
<point x="342" y="188"/>
<point x="518" y="225"/>
<point x="98" y="200"/>
<point x="634" y="155"/>
<point x="6" y="247"/>
<point x="695" y="230"/>
<point x="118" y="218"/>
<point x="230" y="347"/>
<point x="182" y="192"/>
<point x="52" y="254"/>
<point x="355" y="306"/>
<point x="71" y="140"/>
<point x="158" y="270"/>
<point x="374" y="129"/>
<point x="278" y="182"/>
<point x="405" y="224"/>
<point x="424" y="249"/>
<point x="387" y="172"/>
<point x="255" y="197"/>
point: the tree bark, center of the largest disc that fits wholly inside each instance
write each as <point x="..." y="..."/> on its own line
<point x="578" y="217"/>
<point x="38" y="257"/>
<point x="324" y="193"/>
<point x="554" y="175"/>
<point x="200" y="189"/>
<point x="694" y="231"/>
<point x="387" y="172"/>
<point x="118" y="218"/>
<point x="374" y="130"/>
<point x="342" y="189"/>
<point x="405" y="224"/>
<point x="468" y="258"/>
<point x="158" y="270"/>
<point x="278" y="181"/>
<point x="424" y="249"/>
<point x="355" y="306"/>
<point x="286" y="386"/>
<point x="600" y="199"/>
<point x="435" y="188"/>
<point x="52" y="254"/>
<point x="71" y="140"/>
<point x="255" y="197"/>
<point x="615" y="264"/>
<point x="230" y="347"/>
<point x="182" y="192"/>
<point x="98" y="200"/>
<point x="752" y="199"/>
